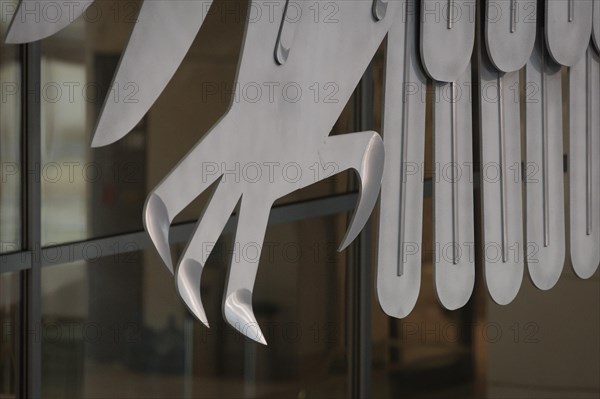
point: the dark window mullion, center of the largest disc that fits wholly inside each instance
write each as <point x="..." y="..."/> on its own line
<point x="359" y="268"/>
<point x="31" y="336"/>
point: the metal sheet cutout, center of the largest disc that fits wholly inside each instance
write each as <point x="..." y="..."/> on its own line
<point x="568" y="32"/>
<point x="509" y="30"/>
<point x="584" y="164"/>
<point x="38" y="19"/>
<point x="596" y="25"/>
<point x="286" y="36"/>
<point x="380" y="9"/>
<point x="447" y="37"/>
<point x="401" y="205"/>
<point x="446" y="48"/>
<point x="275" y="134"/>
<point x="271" y="145"/>
<point x="500" y="149"/>
<point x="454" y="240"/>
<point x="568" y="28"/>
<point x="148" y="39"/>
<point x="543" y="168"/>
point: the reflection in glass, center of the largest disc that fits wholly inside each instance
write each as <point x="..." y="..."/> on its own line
<point x="98" y="192"/>
<point x="10" y="138"/>
<point x="545" y="343"/>
<point x="9" y="329"/>
<point x="429" y="353"/>
<point x="77" y="65"/>
<point x="115" y="327"/>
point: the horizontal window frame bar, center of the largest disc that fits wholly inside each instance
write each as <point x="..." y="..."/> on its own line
<point x="180" y="233"/>
<point x="15" y="262"/>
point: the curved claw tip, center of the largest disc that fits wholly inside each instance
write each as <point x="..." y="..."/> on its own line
<point x="238" y="312"/>
<point x="188" y="285"/>
<point x="157" y="223"/>
<point x="371" y="174"/>
<point x="105" y="135"/>
<point x="346" y="242"/>
<point x="100" y="140"/>
<point x="117" y="119"/>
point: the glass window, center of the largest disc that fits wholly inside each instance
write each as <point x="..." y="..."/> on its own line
<point x="115" y="327"/>
<point x="10" y="295"/>
<point x="77" y="67"/>
<point x="98" y="192"/>
<point x="429" y="353"/>
<point x="10" y="138"/>
<point x="544" y="343"/>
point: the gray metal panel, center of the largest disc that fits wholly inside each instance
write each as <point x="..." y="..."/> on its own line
<point x="150" y="60"/>
<point x="596" y="25"/>
<point x="568" y="29"/>
<point x="379" y="9"/>
<point x="401" y="206"/>
<point x="510" y="30"/>
<point x="584" y="164"/>
<point x="447" y="37"/>
<point x="543" y="174"/>
<point x="275" y="131"/>
<point x="286" y="36"/>
<point x="454" y="240"/>
<point x="38" y="19"/>
<point x="500" y="149"/>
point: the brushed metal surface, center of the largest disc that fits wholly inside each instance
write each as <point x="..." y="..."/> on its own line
<point x="379" y="9"/>
<point x="454" y="240"/>
<point x="273" y="132"/>
<point x="286" y="35"/>
<point x="270" y="134"/>
<point x="447" y="37"/>
<point x="149" y="61"/>
<point x="584" y="163"/>
<point x="596" y="25"/>
<point x="568" y="29"/>
<point x="401" y="205"/>
<point x="510" y="35"/>
<point x="501" y="194"/>
<point x="268" y="146"/>
<point x="510" y="30"/>
<point x="38" y="19"/>
<point x="543" y="169"/>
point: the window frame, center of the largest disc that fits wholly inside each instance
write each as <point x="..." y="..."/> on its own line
<point x="32" y="257"/>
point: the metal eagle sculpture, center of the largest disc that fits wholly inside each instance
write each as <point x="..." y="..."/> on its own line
<point x="523" y="213"/>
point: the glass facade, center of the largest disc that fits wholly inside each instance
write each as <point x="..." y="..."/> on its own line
<point x="77" y="68"/>
<point x="129" y="335"/>
<point x="111" y="324"/>
<point x="91" y="193"/>
<point x="10" y="140"/>
<point x="10" y="355"/>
